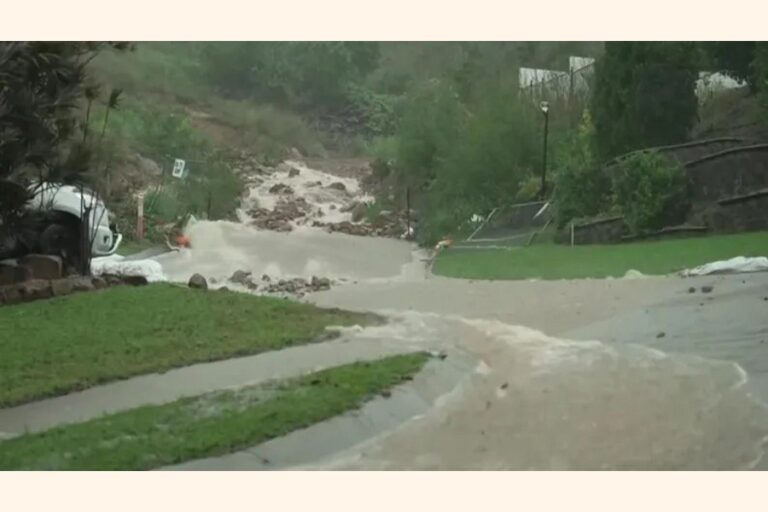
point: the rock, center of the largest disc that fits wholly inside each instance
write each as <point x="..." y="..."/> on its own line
<point x="81" y="284"/>
<point x="223" y="289"/>
<point x="240" y="277"/>
<point x="99" y="283"/>
<point x="320" y="283"/>
<point x="197" y="281"/>
<point x="337" y="185"/>
<point x="707" y="289"/>
<point x="661" y="335"/>
<point x="692" y="289"/>
<point x="11" y="272"/>
<point x="358" y="212"/>
<point x="134" y="280"/>
<point x="148" y="167"/>
<point x="43" y="266"/>
<point x="61" y="287"/>
<point x="35" y="289"/>
<point x="293" y="172"/>
<point x="266" y="278"/>
<point x="281" y="189"/>
<point x="9" y="295"/>
<point x="111" y="279"/>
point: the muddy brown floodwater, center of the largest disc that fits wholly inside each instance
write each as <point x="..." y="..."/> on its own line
<point x="599" y="390"/>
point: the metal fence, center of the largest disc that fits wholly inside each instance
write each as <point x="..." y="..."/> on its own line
<point x="510" y="226"/>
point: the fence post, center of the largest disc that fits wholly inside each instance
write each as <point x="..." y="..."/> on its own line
<point x="408" y="212"/>
<point x="572" y="233"/>
<point x="140" y="218"/>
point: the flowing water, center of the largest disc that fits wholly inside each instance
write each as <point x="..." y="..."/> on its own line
<point x="533" y="401"/>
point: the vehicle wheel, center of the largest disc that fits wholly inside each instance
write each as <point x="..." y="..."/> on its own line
<point x="62" y="240"/>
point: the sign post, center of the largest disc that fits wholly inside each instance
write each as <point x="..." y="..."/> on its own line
<point x="178" y="168"/>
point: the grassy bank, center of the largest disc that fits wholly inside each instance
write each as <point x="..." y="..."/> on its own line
<point x="209" y="425"/>
<point x="65" y="344"/>
<point x="551" y="261"/>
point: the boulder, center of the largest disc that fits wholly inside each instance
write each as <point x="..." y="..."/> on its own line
<point x="35" y="289"/>
<point x="320" y="283"/>
<point x="337" y="185"/>
<point x="81" y="283"/>
<point x="61" y="287"/>
<point x="358" y="212"/>
<point x="281" y="189"/>
<point x="134" y="280"/>
<point x="197" y="281"/>
<point x="43" y="266"/>
<point x="9" y="295"/>
<point x="12" y="273"/>
<point x="111" y="279"/>
<point x="293" y="172"/>
<point x="240" y="277"/>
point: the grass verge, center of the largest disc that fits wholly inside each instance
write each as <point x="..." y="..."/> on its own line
<point x="550" y="261"/>
<point x="208" y="425"/>
<point x="53" y="347"/>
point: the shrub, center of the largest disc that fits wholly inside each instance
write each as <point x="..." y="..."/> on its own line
<point x="583" y="188"/>
<point x="650" y="191"/>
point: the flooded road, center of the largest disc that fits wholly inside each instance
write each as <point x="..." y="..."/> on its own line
<point x="599" y="390"/>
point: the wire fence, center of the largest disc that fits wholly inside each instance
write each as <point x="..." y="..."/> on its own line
<point x="510" y="226"/>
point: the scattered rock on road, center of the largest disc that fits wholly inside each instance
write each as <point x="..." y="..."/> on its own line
<point x="337" y="185"/>
<point x="197" y="281"/>
<point x="240" y="277"/>
<point x="707" y="289"/>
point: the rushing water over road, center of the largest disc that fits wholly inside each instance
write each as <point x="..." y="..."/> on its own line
<point x="533" y="401"/>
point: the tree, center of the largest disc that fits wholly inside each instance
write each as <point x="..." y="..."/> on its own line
<point x="734" y="58"/>
<point x="303" y="74"/>
<point x="761" y="75"/>
<point x="644" y="95"/>
<point x="42" y="85"/>
<point x="583" y="187"/>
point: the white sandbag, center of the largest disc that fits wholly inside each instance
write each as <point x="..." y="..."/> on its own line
<point x="739" y="264"/>
<point x="117" y="265"/>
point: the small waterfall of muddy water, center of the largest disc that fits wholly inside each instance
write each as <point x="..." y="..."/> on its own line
<point x="531" y="401"/>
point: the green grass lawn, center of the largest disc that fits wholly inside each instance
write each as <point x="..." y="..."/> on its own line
<point x="208" y="425"/>
<point x="64" y="344"/>
<point x="551" y="261"/>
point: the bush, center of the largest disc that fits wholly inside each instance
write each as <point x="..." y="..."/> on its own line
<point x="583" y="188"/>
<point x="383" y="152"/>
<point x="650" y="191"/>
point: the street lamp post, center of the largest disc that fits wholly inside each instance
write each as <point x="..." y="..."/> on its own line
<point x="544" y="106"/>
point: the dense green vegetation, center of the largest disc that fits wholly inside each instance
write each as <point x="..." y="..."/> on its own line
<point x="47" y="349"/>
<point x="442" y="119"/>
<point x="209" y="425"/>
